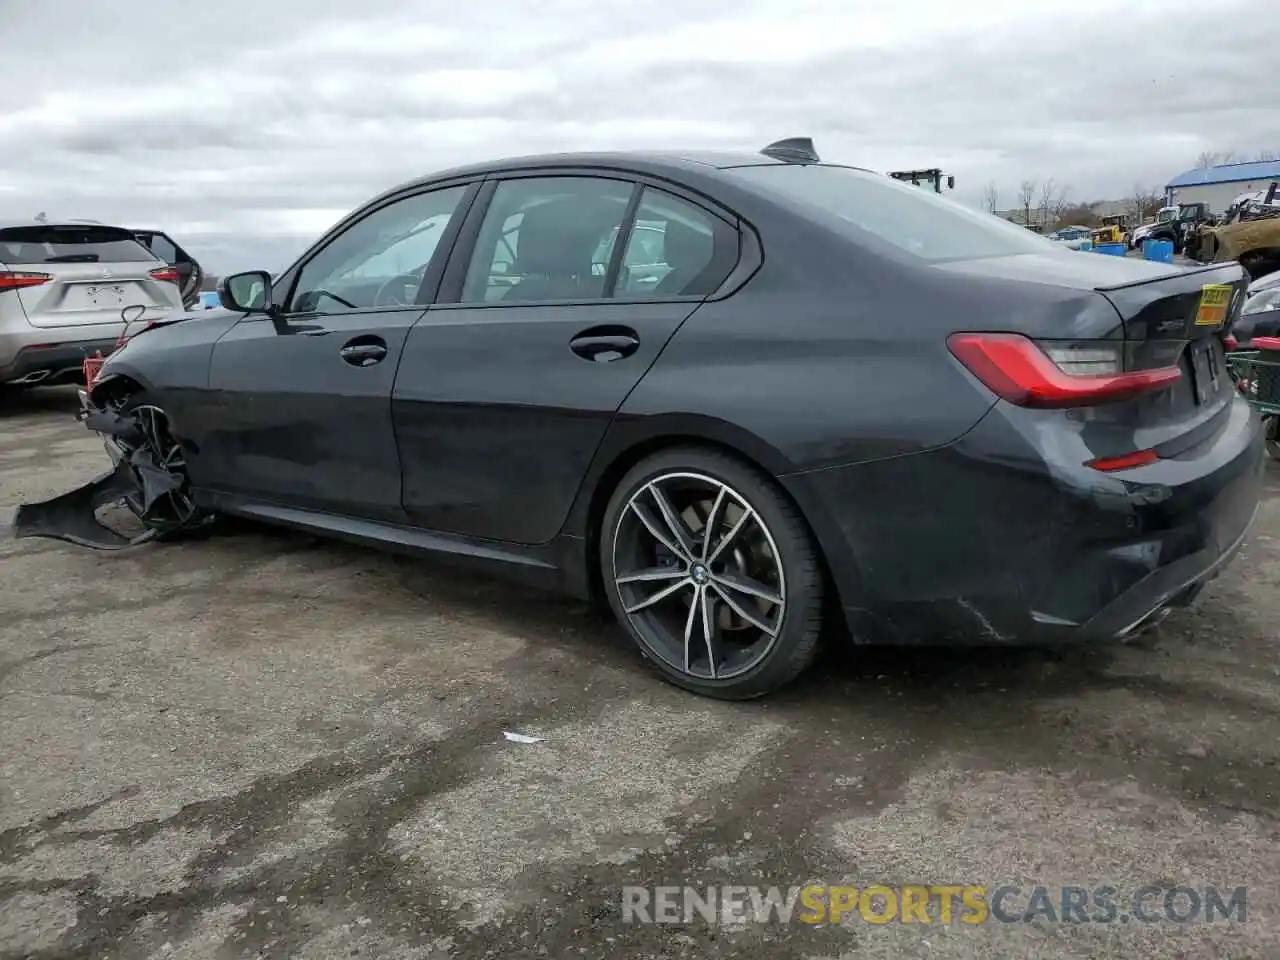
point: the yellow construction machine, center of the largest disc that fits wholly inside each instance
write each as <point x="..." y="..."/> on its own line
<point x="1114" y="229"/>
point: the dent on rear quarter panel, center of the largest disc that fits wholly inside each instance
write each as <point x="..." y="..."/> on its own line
<point x="821" y="388"/>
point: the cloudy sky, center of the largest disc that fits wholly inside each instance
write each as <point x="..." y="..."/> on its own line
<point x="246" y="128"/>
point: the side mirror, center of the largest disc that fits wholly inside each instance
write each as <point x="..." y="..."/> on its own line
<point x="248" y="292"/>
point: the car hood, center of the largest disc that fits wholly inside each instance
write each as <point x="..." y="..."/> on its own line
<point x="1073" y="269"/>
<point x="179" y="316"/>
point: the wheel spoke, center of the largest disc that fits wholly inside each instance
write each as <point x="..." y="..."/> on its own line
<point x="652" y="574"/>
<point x="712" y="523"/>
<point x="706" y="604"/>
<point x="753" y="588"/>
<point x="674" y="522"/>
<point x="655" y="528"/>
<point x="737" y="528"/>
<point x="745" y="612"/>
<point x="689" y="621"/>
<point x="660" y="595"/>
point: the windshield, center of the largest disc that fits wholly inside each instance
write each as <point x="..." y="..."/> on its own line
<point x="921" y="222"/>
<point x="1167" y="214"/>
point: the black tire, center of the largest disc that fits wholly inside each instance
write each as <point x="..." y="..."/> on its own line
<point x="785" y="541"/>
<point x="184" y="521"/>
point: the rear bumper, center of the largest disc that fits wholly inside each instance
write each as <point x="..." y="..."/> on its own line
<point x="985" y="542"/>
<point x="49" y="364"/>
<point x="1163" y="590"/>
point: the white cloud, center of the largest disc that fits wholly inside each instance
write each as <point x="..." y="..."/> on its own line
<point x="249" y="127"/>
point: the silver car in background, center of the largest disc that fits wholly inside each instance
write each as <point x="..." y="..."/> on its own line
<point x="62" y="287"/>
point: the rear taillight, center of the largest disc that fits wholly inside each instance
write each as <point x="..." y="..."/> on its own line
<point x="167" y="274"/>
<point x="1053" y="375"/>
<point x="11" y="280"/>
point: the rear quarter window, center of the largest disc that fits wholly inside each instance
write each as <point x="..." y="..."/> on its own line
<point x="72" y="243"/>
<point x="871" y="206"/>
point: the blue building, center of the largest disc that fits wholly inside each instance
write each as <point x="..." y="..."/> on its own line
<point x="1219" y="186"/>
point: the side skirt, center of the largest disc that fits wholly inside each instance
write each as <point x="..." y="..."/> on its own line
<point x="556" y="566"/>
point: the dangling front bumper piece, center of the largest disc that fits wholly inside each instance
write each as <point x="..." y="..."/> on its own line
<point x="135" y="477"/>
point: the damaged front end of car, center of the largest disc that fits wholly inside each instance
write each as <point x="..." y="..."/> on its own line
<point x="148" y="477"/>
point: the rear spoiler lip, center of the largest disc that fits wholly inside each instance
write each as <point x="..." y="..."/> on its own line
<point x="1237" y="271"/>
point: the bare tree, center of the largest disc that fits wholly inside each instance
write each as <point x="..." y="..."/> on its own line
<point x="1146" y="201"/>
<point x="1026" y="190"/>
<point x="991" y="197"/>
<point x="1268" y="155"/>
<point x="1207" y="158"/>
<point x="1061" y="202"/>
<point x="1078" y="213"/>
<point x="1046" y="201"/>
<point x="1053" y="200"/>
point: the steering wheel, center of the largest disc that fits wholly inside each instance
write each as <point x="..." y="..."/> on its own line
<point x="393" y="292"/>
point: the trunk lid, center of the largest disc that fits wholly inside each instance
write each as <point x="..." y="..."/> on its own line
<point x="1188" y="304"/>
<point x="1181" y="320"/>
<point x="93" y="272"/>
<point x="1151" y="316"/>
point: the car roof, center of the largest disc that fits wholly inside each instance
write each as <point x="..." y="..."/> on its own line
<point x="658" y="162"/>
<point x="632" y="159"/>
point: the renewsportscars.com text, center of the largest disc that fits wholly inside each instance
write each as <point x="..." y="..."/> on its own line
<point x="933" y="904"/>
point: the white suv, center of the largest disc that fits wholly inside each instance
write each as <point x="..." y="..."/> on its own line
<point x="62" y="287"/>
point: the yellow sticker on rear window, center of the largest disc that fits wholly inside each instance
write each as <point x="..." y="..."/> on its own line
<point x="1215" y="298"/>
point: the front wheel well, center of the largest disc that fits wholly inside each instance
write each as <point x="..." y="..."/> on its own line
<point x="613" y="474"/>
<point x="116" y="387"/>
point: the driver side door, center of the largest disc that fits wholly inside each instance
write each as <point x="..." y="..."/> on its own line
<point x="303" y="399"/>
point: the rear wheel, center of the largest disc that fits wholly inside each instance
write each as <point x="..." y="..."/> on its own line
<point x="713" y="574"/>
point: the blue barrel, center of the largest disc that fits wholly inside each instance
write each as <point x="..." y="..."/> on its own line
<point x="1160" y="251"/>
<point x="1086" y="245"/>
<point x="1112" y="249"/>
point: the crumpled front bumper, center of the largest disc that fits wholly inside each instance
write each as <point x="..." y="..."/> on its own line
<point x="134" y="476"/>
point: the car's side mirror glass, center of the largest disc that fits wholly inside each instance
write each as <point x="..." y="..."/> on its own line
<point x="246" y="292"/>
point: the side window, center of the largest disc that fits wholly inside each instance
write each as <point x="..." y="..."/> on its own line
<point x="379" y="260"/>
<point x="676" y="249"/>
<point x="163" y="248"/>
<point x="546" y="238"/>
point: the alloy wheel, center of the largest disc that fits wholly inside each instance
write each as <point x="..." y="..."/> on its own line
<point x="175" y="508"/>
<point x="699" y="575"/>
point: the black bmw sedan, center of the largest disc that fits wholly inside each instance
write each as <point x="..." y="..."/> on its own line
<point x="732" y="395"/>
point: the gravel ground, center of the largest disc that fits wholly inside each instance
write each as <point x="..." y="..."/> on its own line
<point x="263" y="745"/>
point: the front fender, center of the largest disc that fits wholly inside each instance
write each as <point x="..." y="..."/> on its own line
<point x="114" y="377"/>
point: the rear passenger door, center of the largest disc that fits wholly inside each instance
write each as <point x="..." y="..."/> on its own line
<point x="542" y="329"/>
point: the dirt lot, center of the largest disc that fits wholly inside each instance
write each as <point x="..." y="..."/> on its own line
<point x="263" y="745"/>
